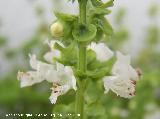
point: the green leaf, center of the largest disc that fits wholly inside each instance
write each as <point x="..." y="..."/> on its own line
<point x="104" y="25"/>
<point x="93" y="92"/>
<point x="3" y="41"/>
<point x="97" y="70"/>
<point x="95" y="110"/>
<point x="99" y="11"/>
<point x="91" y="55"/>
<point x="64" y="110"/>
<point x="67" y="33"/>
<point x="99" y="73"/>
<point x="68" y="55"/>
<point x="108" y="63"/>
<point x="65" y="17"/>
<point x="99" y="3"/>
<point x="84" y="33"/>
<point x="99" y="35"/>
<point x="109" y="3"/>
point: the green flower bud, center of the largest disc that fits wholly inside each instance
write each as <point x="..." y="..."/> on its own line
<point x="56" y="29"/>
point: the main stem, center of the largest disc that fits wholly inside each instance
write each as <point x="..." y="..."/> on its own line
<point x="81" y="63"/>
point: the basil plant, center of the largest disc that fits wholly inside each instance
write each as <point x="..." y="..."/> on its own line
<point x="79" y="54"/>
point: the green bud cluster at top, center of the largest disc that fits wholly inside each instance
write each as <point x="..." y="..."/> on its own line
<point x="74" y="33"/>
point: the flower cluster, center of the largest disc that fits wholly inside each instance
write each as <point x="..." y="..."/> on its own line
<point x="122" y="81"/>
<point x="78" y="54"/>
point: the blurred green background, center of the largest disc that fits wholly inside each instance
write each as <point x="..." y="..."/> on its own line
<point x="146" y="103"/>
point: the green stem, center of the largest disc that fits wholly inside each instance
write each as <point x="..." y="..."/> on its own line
<point x="81" y="63"/>
<point x="82" y="11"/>
<point x="82" y="58"/>
<point x="80" y="100"/>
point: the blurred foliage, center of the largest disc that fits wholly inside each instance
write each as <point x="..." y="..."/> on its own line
<point x="34" y="99"/>
<point x="3" y="41"/>
<point x="149" y="57"/>
<point x="121" y="33"/>
<point x="153" y="10"/>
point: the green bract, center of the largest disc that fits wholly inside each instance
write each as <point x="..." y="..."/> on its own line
<point x="99" y="11"/>
<point x="99" y="3"/>
<point x="106" y="27"/>
<point x="65" y="17"/>
<point x="84" y="33"/>
<point x="96" y="16"/>
<point x="68" y="54"/>
<point x="97" y="69"/>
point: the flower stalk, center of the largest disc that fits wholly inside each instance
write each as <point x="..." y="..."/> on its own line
<point x="81" y="62"/>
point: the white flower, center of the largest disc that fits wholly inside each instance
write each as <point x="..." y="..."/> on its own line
<point x="102" y="51"/>
<point x="61" y="76"/>
<point x="54" y="53"/>
<point x="124" y="77"/>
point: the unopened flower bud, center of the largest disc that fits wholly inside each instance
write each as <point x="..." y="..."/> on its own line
<point x="56" y="29"/>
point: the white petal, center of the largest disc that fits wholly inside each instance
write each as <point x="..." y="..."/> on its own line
<point x="33" y="61"/>
<point x="108" y="83"/>
<point x="49" y="56"/>
<point x="27" y="79"/>
<point x="74" y="82"/>
<point x="60" y="67"/>
<point x="52" y="43"/>
<point x="51" y="76"/>
<point x="37" y="65"/>
<point x="70" y="75"/>
<point x="102" y="51"/>
<point x="133" y="74"/>
<point x="42" y="72"/>
<point x="123" y="58"/>
<point x="66" y="75"/>
<point x="123" y="68"/>
<point x="123" y="88"/>
<point x="57" y="90"/>
<point x="53" y="97"/>
<point x="54" y="53"/>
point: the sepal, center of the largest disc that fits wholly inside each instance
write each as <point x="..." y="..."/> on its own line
<point x="84" y="33"/>
<point x="65" y="17"/>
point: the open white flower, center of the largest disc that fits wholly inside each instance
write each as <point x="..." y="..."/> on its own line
<point x="124" y="77"/>
<point x="54" y="53"/>
<point x="102" y="51"/>
<point x="61" y="76"/>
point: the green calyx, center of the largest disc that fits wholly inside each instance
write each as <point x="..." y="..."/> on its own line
<point x="100" y="4"/>
<point x="68" y="54"/>
<point x="96" y="15"/>
<point x="84" y="33"/>
<point x="65" y="17"/>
